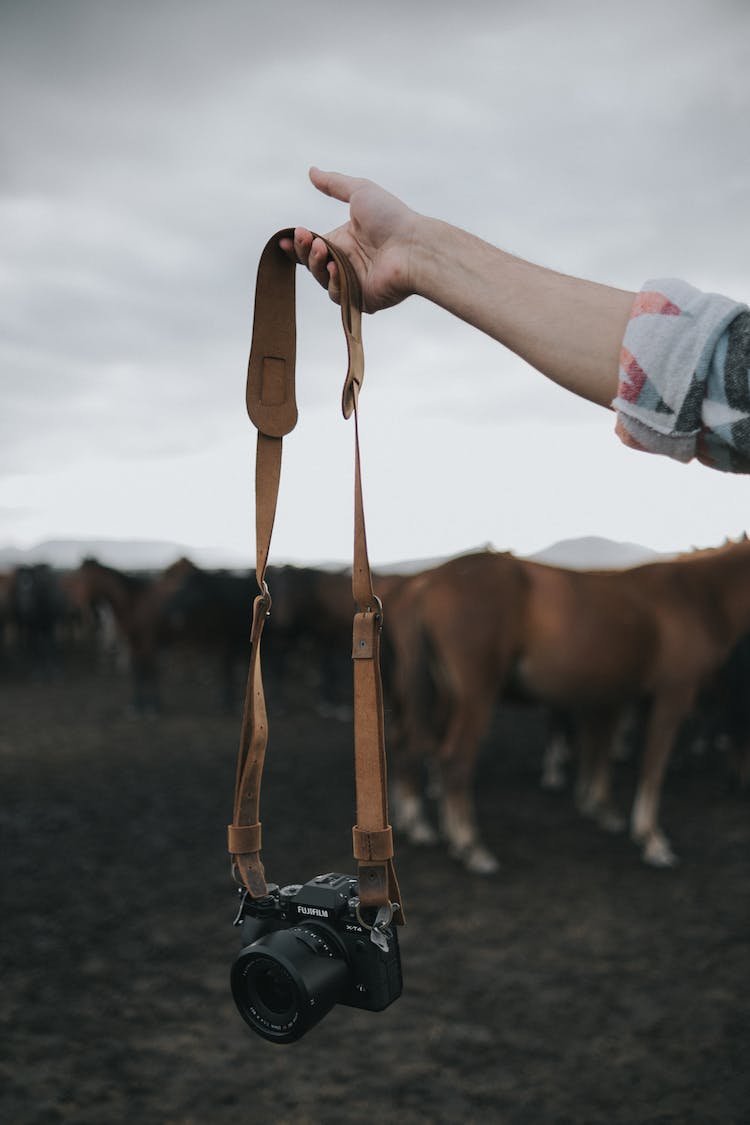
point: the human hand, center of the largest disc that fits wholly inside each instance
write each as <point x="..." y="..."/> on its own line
<point x="378" y="241"/>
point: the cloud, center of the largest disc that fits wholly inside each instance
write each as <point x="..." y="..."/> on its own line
<point x="151" y="149"/>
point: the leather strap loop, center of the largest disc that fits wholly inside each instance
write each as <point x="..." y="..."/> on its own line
<point x="243" y="838"/>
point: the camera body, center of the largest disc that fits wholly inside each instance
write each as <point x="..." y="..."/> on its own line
<point x="304" y="949"/>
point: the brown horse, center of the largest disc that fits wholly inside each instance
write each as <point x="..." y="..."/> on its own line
<point x="587" y="643"/>
<point x="137" y="603"/>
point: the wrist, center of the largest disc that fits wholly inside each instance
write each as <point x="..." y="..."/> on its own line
<point x="423" y="258"/>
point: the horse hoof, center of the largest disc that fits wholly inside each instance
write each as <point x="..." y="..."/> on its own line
<point x="552" y="781"/>
<point x="478" y="861"/>
<point x="611" y="821"/>
<point x="422" y="835"/>
<point x="658" y="853"/>
<point x="585" y="801"/>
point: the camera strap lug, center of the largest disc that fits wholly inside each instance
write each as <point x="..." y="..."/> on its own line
<point x="270" y="399"/>
<point x="379" y="928"/>
<point x="377" y="937"/>
<point x="241" y="908"/>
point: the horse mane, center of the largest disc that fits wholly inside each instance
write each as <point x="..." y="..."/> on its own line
<point x="133" y="581"/>
<point x="730" y="548"/>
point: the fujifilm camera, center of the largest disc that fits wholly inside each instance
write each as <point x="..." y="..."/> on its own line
<point x="306" y="948"/>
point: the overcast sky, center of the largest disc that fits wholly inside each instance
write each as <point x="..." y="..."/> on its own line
<point x="148" y="151"/>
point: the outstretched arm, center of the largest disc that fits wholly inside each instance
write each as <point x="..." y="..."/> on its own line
<point x="569" y="329"/>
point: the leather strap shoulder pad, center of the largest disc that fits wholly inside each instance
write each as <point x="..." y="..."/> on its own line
<point x="270" y="393"/>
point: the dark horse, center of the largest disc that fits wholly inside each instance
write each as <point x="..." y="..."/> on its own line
<point x="211" y="610"/>
<point x="306" y="642"/>
<point x="35" y="606"/>
<point x="586" y="643"/>
<point x="309" y="636"/>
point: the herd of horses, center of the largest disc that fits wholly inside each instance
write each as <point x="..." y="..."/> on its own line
<point x="659" y="641"/>
<point x="143" y="615"/>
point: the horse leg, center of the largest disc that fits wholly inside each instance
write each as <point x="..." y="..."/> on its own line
<point x="416" y="725"/>
<point x="406" y="793"/>
<point x="458" y="756"/>
<point x="587" y="746"/>
<point x="596" y="732"/>
<point x="227" y="674"/>
<point x="144" y="665"/>
<point x="409" y="813"/>
<point x="627" y="735"/>
<point x="557" y="750"/>
<point x="412" y="746"/>
<point x="666" y="714"/>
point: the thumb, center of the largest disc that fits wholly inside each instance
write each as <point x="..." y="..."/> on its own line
<point x="335" y="184"/>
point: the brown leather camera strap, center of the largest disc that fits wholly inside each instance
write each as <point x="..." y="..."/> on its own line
<point x="272" y="408"/>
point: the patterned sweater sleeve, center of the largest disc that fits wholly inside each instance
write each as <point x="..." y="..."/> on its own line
<point x="684" y="381"/>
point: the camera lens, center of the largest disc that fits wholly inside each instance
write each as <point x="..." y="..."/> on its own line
<point x="287" y="981"/>
<point x="273" y="985"/>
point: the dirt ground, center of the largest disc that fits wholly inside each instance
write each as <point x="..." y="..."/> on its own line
<point x="576" y="986"/>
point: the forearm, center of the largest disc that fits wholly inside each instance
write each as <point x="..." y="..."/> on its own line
<point x="569" y="329"/>
<point x="673" y="362"/>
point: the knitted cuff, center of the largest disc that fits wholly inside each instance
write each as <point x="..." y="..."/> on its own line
<point x="675" y="337"/>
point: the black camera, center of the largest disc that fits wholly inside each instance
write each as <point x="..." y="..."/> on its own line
<point x="305" y="948"/>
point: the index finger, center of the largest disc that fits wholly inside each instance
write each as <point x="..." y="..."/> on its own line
<point x="297" y="247"/>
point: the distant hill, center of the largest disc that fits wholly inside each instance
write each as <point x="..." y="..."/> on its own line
<point x="125" y="554"/>
<point x="153" y="554"/>
<point x="412" y="566"/>
<point x="587" y="553"/>
<point x="594" y="553"/>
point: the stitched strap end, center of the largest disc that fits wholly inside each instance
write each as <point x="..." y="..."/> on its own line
<point x="373" y="846"/>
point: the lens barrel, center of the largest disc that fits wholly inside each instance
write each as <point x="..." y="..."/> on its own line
<point x="288" y="980"/>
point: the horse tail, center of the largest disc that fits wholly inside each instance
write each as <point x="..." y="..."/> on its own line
<point x="411" y="680"/>
<point x="428" y="680"/>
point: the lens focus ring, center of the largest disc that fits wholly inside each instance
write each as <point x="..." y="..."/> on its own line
<point x="286" y="981"/>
